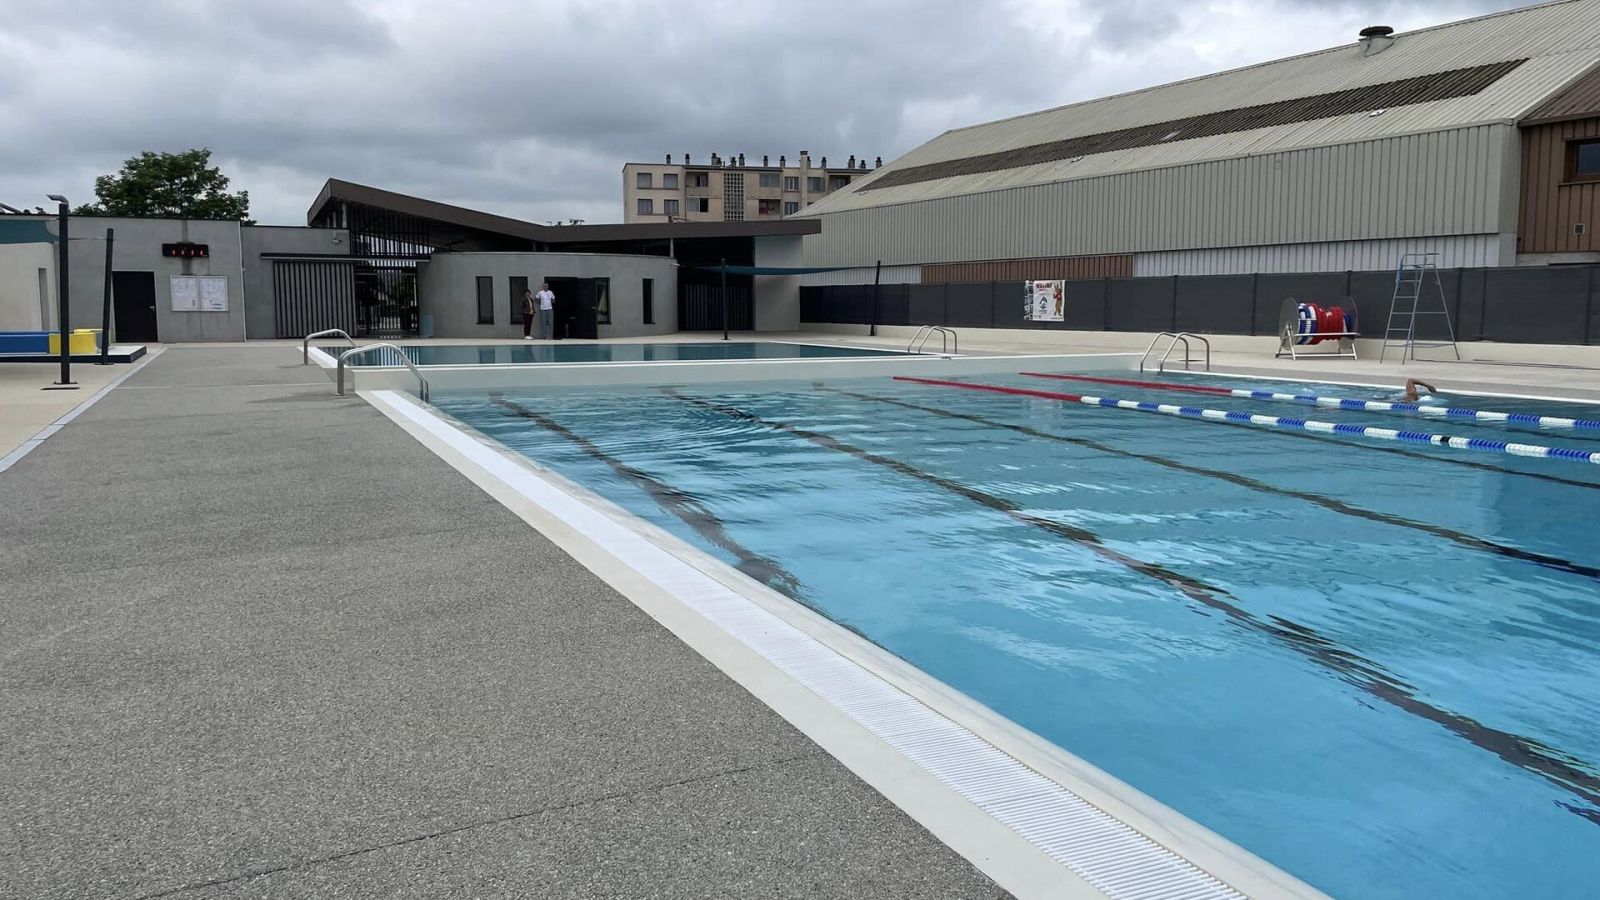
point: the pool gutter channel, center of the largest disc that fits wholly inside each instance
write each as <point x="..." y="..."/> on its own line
<point x="1038" y="820"/>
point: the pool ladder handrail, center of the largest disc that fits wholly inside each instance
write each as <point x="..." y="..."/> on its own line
<point x="400" y="352"/>
<point x="948" y="340"/>
<point x="1161" y="365"/>
<point x="305" y="345"/>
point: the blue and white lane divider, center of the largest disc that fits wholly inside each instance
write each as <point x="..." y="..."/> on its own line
<point x="1195" y="412"/>
<point x="1444" y="412"/>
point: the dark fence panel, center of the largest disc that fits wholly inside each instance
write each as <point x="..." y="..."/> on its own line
<point x="1140" y="304"/>
<point x="310" y="296"/>
<point x="1552" y="305"/>
<point x="970" y="305"/>
<point x="700" y="308"/>
<point x="1216" y="304"/>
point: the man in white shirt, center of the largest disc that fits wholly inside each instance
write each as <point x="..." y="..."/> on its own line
<point x="547" y="311"/>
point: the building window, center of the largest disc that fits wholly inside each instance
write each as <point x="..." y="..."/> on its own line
<point x="700" y="179"/>
<point x="647" y="294"/>
<point x="790" y="208"/>
<point x="791" y="183"/>
<point x="519" y="284"/>
<point x="700" y="204"/>
<point x="602" y="301"/>
<point x="769" y="179"/>
<point x="646" y="206"/>
<point x="642" y="180"/>
<point x="841" y="182"/>
<point x="814" y="185"/>
<point x="670" y="207"/>
<point x="485" y="300"/>
<point x="767" y="207"/>
<point x="1583" y="161"/>
<point x="669" y="180"/>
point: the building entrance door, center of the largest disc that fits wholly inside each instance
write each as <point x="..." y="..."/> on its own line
<point x="134" y="300"/>
<point x="575" y="307"/>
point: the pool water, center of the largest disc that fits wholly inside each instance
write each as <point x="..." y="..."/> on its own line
<point x="1376" y="666"/>
<point x="522" y="354"/>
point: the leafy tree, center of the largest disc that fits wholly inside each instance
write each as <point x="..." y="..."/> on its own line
<point x="175" y="185"/>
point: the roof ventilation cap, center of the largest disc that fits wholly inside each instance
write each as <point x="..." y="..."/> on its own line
<point x="1375" y="39"/>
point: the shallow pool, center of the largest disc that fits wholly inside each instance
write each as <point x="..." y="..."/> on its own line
<point x="1376" y="666"/>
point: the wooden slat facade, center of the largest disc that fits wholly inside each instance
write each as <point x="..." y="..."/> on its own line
<point x="1025" y="269"/>
<point x="1551" y="206"/>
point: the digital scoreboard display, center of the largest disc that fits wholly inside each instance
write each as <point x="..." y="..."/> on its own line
<point x="186" y="250"/>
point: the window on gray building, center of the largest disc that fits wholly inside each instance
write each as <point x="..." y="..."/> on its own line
<point x="648" y="298"/>
<point x="814" y="185"/>
<point x="669" y="180"/>
<point x="700" y="179"/>
<point x="485" y="300"/>
<point x="518" y="283"/>
<point x="790" y="207"/>
<point x="700" y="204"/>
<point x="1583" y="161"/>
<point x="646" y="206"/>
<point x="602" y="301"/>
<point x="767" y="207"/>
<point x="839" y="182"/>
<point x="769" y="179"/>
<point x="642" y="180"/>
<point x="670" y="207"/>
<point x="791" y="183"/>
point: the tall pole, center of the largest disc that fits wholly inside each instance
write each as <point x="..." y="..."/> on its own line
<point x="105" y="310"/>
<point x="724" y="298"/>
<point x="63" y="318"/>
<point x="877" y="278"/>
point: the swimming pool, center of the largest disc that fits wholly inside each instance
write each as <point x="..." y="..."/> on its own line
<point x="1373" y="665"/>
<point x="523" y="354"/>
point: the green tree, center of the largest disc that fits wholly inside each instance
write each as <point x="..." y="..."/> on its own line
<point x="175" y="185"/>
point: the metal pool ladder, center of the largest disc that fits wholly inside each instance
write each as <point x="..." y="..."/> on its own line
<point x="305" y="346"/>
<point x="949" y="341"/>
<point x="1176" y="337"/>
<point x="422" y="383"/>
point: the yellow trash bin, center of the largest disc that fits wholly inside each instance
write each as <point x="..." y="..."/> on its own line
<point x="82" y="342"/>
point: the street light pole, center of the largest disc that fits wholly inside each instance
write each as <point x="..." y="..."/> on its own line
<point x="63" y="318"/>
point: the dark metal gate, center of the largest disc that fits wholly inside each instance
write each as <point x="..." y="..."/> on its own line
<point x="700" y="308"/>
<point x="387" y="296"/>
<point x="313" y="295"/>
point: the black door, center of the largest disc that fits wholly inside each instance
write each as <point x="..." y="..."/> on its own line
<point x="574" y="308"/>
<point x="134" y="296"/>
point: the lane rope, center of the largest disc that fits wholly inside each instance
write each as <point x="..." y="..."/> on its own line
<point x="1194" y="412"/>
<point x="1443" y="412"/>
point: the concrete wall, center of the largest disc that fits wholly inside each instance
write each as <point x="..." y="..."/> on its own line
<point x="777" y="297"/>
<point x="25" y="304"/>
<point x="448" y="291"/>
<point x="138" y="249"/>
<point x="255" y="240"/>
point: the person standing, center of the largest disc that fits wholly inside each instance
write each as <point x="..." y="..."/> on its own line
<point x="547" y="311"/>
<point x="528" y="309"/>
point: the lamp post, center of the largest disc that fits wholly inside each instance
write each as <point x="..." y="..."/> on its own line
<point x="63" y="318"/>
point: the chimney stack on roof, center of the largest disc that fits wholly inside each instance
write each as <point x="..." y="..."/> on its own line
<point x="852" y="163"/>
<point x="1375" y="39"/>
<point x="877" y="163"/>
<point x="741" y="160"/>
<point x="764" y="162"/>
<point x="669" y="159"/>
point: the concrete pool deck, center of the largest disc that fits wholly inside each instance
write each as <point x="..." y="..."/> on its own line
<point x="256" y="642"/>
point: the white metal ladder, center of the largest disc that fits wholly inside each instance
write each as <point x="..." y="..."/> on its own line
<point x="397" y="353"/>
<point x="948" y="340"/>
<point x="1177" y="337"/>
<point x="1412" y="279"/>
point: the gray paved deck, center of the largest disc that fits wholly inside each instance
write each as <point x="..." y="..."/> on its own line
<point x="257" y="642"/>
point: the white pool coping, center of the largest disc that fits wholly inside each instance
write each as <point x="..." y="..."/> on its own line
<point x="1039" y="821"/>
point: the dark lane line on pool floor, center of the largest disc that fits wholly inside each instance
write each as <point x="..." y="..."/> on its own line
<point x="684" y="506"/>
<point x="1558" y="768"/>
<point x="1245" y="481"/>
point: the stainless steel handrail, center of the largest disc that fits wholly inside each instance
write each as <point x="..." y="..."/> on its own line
<point x="305" y="346"/>
<point x="404" y="360"/>
<point x="1183" y="336"/>
<point x="948" y="340"/>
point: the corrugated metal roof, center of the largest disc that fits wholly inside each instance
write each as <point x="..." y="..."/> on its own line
<point x="1561" y="42"/>
<point x="1581" y="99"/>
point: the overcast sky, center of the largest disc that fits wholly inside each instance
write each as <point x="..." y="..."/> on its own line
<point x="530" y="107"/>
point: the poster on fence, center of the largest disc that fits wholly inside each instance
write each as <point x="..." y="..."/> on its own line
<point x="1046" y="301"/>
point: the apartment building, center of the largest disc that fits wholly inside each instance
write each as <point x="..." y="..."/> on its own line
<point x="730" y="189"/>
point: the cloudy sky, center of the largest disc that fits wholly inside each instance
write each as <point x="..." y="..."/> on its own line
<point x="530" y="107"/>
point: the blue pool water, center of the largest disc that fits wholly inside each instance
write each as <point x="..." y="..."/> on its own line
<point x="513" y="354"/>
<point x="1375" y="666"/>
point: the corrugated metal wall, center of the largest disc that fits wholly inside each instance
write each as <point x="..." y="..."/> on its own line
<point x="1440" y="183"/>
<point x="1463" y="251"/>
<point x="1550" y="206"/>
<point x="891" y="275"/>
<point x="1025" y="269"/>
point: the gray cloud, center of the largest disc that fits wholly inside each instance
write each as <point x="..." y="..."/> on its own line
<point x="531" y="109"/>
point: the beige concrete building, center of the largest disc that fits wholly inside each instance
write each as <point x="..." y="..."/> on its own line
<point x="732" y="189"/>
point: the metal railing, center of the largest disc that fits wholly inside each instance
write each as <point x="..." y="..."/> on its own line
<point x="1181" y="336"/>
<point x="949" y="341"/>
<point x="404" y="360"/>
<point x="305" y="346"/>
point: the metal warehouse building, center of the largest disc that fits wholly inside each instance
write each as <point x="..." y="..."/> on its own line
<point x="1479" y="140"/>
